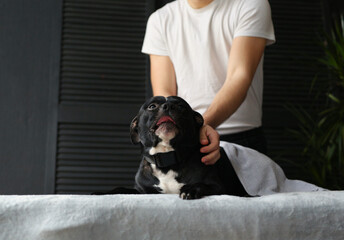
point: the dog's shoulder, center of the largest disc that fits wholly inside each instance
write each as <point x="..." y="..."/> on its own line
<point x="144" y="179"/>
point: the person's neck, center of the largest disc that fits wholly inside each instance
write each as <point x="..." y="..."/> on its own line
<point x="197" y="4"/>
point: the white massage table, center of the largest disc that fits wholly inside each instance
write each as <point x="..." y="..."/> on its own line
<point x="287" y="209"/>
<point x="312" y="215"/>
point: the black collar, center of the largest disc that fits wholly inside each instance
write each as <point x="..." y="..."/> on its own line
<point x="168" y="159"/>
<point x="162" y="160"/>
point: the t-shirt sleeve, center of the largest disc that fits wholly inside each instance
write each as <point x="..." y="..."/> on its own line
<point x="254" y="20"/>
<point x="154" y="42"/>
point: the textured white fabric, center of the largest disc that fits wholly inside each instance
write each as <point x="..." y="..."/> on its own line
<point x="313" y="216"/>
<point x="260" y="175"/>
<point x="297" y="215"/>
<point x="198" y="43"/>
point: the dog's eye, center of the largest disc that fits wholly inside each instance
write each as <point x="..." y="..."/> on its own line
<point x="152" y="106"/>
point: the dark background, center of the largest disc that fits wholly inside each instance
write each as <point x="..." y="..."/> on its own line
<point x="72" y="77"/>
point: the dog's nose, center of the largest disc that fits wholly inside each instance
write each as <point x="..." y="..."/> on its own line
<point x="167" y="106"/>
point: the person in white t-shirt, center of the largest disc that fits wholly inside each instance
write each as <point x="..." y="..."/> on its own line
<point x="210" y="52"/>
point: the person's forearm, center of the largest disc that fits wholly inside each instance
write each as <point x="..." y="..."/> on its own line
<point x="228" y="99"/>
<point x="162" y="76"/>
<point x="244" y="58"/>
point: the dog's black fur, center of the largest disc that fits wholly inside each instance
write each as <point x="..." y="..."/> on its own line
<point x="168" y="131"/>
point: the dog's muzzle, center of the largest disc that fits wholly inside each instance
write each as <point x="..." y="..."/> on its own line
<point x="165" y="125"/>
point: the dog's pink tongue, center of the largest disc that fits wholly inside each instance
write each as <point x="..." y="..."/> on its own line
<point x="165" y="119"/>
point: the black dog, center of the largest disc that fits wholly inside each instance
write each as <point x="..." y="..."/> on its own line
<point x="168" y="131"/>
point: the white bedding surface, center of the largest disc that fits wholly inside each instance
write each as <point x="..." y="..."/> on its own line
<point x="311" y="215"/>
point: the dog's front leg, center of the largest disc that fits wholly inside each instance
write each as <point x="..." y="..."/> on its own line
<point x="199" y="190"/>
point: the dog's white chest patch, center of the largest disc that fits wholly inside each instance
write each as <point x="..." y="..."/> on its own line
<point x="163" y="146"/>
<point x="167" y="182"/>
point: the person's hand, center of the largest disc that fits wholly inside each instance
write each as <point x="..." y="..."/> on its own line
<point x="210" y="139"/>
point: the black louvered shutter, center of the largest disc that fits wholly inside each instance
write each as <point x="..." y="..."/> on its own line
<point x="102" y="85"/>
<point x="289" y="69"/>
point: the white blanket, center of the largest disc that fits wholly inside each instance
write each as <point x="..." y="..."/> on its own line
<point x="260" y="175"/>
<point x="306" y="213"/>
<point x="312" y="215"/>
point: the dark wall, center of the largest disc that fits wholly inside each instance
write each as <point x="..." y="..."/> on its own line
<point x="29" y="67"/>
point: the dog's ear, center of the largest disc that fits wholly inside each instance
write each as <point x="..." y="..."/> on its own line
<point x="134" y="134"/>
<point x="198" y="118"/>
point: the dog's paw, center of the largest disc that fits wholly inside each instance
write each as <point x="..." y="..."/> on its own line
<point x="194" y="191"/>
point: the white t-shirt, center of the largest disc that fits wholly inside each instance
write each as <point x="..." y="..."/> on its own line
<point x="198" y="42"/>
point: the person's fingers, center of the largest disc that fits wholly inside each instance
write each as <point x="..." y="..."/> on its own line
<point x="211" y="158"/>
<point x="213" y="139"/>
<point x="203" y="135"/>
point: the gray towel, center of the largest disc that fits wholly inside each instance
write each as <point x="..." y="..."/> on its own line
<point x="260" y="175"/>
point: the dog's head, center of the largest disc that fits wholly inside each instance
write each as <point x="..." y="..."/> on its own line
<point x="165" y="122"/>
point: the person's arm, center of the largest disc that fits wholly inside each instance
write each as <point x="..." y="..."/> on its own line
<point x="163" y="76"/>
<point x="244" y="58"/>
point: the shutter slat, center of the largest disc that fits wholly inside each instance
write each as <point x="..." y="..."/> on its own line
<point x="102" y="85"/>
<point x="94" y="153"/>
<point x="102" y="40"/>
